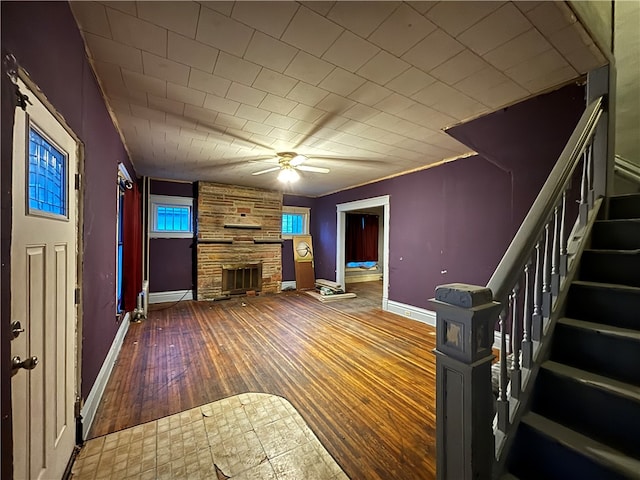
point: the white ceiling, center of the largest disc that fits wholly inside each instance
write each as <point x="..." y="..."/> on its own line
<point x="200" y="89"/>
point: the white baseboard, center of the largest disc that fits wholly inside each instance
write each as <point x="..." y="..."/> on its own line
<point x="288" y="285"/>
<point x="414" y="313"/>
<point x="174" y="296"/>
<point x="497" y="340"/>
<point x="362" y="278"/>
<point x="90" y="406"/>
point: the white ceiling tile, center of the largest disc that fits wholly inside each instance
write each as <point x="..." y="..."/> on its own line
<point x="360" y="112"/>
<point x="277" y="104"/>
<point x="307" y="94"/>
<point x="502" y="94"/>
<point x="461" y="66"/>
<point x="308" y="68"/>
<point x="496" y="29"/>
<point x="179" y="17"/>
<point x="311" y="32"/>
<point x="208" y="83"/>
<point x="269" y="52"/>
<point x="287" y="135"/>
<point x="370" y="93"/>
<point x="335" y="104"/>
<point x="550" y="17"/>
<point x="518" y="50"/>
<point x="274" y="82"/>
<point x="401" y="30"/>
<point x="570" y="39"/>
<point x="137" y="82"/>
<point x="433" y="50"/>
<point x="165" y="69"/>
<point x="243" y="94"/>
<point x="394" y="104"/>
<point x="308" y="114"/>
<point x="321" y="7"/>
<point x="255" y="127"/>
<point x="426" y="117"/>
<point x="551" y="79"/>
<point x="107" y="50"/>
<point x="341" y="82"/>
<point x="383" y="68"/>
<point x="124" y="7"/>
<point x="536" y="67"/>
<point x="410" y="81"/>
<point x="230" y="121"/>
<point x="221" y="105"/>
<point x="483" y="80"/>
<point x="448" y="100"/>
<point x="223" y="6"/>
<point x="526" y="6"/>
<point x="137" y="33"/>
<point x="165" y="105"/>
<point x="91" y="17"/>
<point x="423" y="6"/>
<point x="223" y="32"/>
<point x="456" y="17"/>
<point x="269" y="17"/>
<point x="236" y="69"/>
<point x="584" y="60"/>
<point x="350" y="51"/>
<point x="361" y="17"/>
<point x="252" y="113"/>
<point x="189" y="52"/>
<point x="280" y="121"/>
<point x="185" y="94"/>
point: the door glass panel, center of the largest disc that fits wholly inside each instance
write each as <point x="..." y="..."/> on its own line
<point x="47" y="177"/>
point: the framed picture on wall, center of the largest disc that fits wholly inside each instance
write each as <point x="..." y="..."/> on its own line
<point x="302" y="248"/>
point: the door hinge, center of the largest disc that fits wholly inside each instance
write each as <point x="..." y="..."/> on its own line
<point x="76" y="296"/>
<point x="77" y="181"/>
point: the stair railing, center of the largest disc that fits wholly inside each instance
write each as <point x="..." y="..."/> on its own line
<point x="522" y="296"/>
<point x="627" y="169"/>
<point x="531" y="274"/>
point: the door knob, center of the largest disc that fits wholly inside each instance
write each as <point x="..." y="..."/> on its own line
<point x="16" y="329"/>
<point x="28" y="364"/>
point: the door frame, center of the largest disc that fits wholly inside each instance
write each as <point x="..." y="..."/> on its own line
<point x="342" y="209"/>
<point x="79" y="206"/>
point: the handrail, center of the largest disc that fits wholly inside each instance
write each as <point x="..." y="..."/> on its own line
<point x="627" y="168"/>
<point x="509" y="269"/>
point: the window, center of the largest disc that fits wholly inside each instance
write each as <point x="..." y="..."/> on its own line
<point x="171" y="217"/>
<point x="47" y="177"/>
<point x="295" y="221"/>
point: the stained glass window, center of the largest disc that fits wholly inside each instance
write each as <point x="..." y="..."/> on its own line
<point x="47" y="176"/>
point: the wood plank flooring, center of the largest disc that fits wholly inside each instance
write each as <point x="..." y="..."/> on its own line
<point x="363" y="379"/>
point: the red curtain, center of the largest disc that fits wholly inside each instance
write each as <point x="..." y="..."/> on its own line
<point x="132" y="247"/>
<point x="361" y="238"/>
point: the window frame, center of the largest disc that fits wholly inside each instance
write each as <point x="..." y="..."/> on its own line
<point x="156" y="201"/>
<point x="305" y="212"/>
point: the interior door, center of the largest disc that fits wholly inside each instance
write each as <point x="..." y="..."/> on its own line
<point x="43" y="281"/>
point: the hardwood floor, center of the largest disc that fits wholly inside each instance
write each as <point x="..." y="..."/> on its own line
<point x="363" y="379"/>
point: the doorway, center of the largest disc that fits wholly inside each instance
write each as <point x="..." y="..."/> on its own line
<point x="342" y="210"/>
<point x="44" y="255"/>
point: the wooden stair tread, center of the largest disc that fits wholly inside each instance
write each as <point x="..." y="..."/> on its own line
<point x="635" y="251"/>
<point x="586" y="446"/>
<point x="600" y="382"/>
<point x="621" y="332"/>
<point x="610" y="286"/>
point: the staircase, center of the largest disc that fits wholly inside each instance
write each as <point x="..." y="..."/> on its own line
<point x="584" y="416"/>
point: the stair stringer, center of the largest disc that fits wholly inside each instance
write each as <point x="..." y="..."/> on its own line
<point x="579" y="240"/>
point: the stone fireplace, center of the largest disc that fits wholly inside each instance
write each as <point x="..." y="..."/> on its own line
<point x="239" y="240"/>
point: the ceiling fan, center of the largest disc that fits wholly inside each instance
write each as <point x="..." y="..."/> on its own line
<point x="288" y="164"/>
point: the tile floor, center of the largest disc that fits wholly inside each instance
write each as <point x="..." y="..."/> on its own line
<point x="252" y="436"/>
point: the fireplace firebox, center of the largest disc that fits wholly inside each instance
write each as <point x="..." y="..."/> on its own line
<point x="240" y="278"/>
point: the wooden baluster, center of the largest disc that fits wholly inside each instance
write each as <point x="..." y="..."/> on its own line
<point x="546" y="275"/>
<point x="503" y="403"/>
<point x="584" y="206"/>
<point x="563" y="238"/>
<point x="590" y="192"/>
<point x="555" y="254"/>
<point x="527" y="345"/>
<point x="516" y="373"/>
<point x="536" y="319"/>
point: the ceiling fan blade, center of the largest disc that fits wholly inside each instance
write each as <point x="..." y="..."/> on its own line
<point x="272" y="169"/>
<point x="298" y="160"/>
<point x="309" y="168"/>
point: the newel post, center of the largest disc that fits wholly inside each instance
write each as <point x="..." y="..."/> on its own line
<point x="465" y="319"/>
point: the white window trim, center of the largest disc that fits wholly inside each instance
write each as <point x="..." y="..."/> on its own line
<point x="156" y="200"/>
<point x="305" y="211"/>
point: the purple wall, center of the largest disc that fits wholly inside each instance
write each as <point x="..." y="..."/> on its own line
<point x="288" y="267"/>
<point x="171" y="260"/>
<point x="46" y="42"/>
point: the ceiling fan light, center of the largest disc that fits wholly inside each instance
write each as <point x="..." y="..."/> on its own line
<point x="288" y="175"/>
<point x="297" y="160"/>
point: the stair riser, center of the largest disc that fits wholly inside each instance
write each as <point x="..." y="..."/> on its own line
<point x="626" y="206"/>
<point x="601" y="415"/>
<point x="598" y="353"/>
<point x="616" y="235"/>
<point x="606" y="267"/>
<point x="604" y="305"/>
<point x="536" y="457"/>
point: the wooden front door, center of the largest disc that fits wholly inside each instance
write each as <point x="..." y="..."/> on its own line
<point x="43" y="281"/>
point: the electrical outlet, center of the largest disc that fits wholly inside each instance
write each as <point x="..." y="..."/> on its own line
<point x="407" y="313"/>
